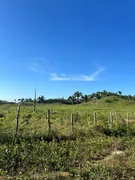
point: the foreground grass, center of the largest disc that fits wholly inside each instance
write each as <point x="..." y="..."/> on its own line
<point x="74" y="157"/>
<point x="90" y="153"/>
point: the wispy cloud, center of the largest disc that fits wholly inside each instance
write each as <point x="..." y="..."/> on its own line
<point x="64" y="77"/>
<point x="36" y="68"/>
<point x="39" y="65"/>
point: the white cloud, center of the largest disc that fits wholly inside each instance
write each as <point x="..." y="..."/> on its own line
<point x="55" y="77"/>
<point x="64" y="77"/>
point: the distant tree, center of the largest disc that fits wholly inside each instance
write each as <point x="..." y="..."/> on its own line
<point x="104" y="93"/>
<point x="130" y="97"/>
<point x="120" y="93"/>
<point x="90" y="96"/>
<point x="98" y="95"/>
<point x="85" y="97"/>
<point x="133" y="98"/>
<point x="78" y="96"/>
<point x="28" y="100"/>
<point x="41" y="99"/>
<point x="71" y="99"/>
<point x="21" y="100"/>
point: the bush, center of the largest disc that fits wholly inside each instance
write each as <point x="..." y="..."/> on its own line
<point x="2" y="115"/>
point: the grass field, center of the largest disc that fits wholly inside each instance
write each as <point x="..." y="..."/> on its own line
<point x="89" y="152"/>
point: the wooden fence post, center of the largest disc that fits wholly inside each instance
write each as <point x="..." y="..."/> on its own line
<point x="87" y="119"/>
<point x="17" y="118"/>
<point x="116" y="117"/>
<point x="72" y="123"/>
<point x="95" y="119"/>
<point x="127" y="118"/>
<point x="35" y="101"/>
<point x="111" y="120"/>
<point x="48" y="119"/>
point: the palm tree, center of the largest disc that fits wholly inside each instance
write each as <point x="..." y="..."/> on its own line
<point x="77" y="95"/>
<point x="21" y="100"/>
<point x="41" y="99"/>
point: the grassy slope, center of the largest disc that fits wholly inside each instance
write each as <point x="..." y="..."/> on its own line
<point x="37" y="154"/>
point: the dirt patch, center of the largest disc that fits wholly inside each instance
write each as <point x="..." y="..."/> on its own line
<point x="129" y="120"/>
<point x="113" y="154"/>
<point x="64" y="174"/>
<point x="107" y="157"/>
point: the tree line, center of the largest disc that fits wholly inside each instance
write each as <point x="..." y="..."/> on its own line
<point x="78" y="97"/>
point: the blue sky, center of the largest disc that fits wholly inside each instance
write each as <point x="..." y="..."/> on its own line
<point x="61" y="46"/>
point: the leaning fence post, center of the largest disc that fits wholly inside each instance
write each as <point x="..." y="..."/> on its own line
<point x="95" y="119"/>
<point x="72" y="123"/>
<point x="17" y="118"/>
<point x="111" y="120"/>
<point x="48" y="119"/>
